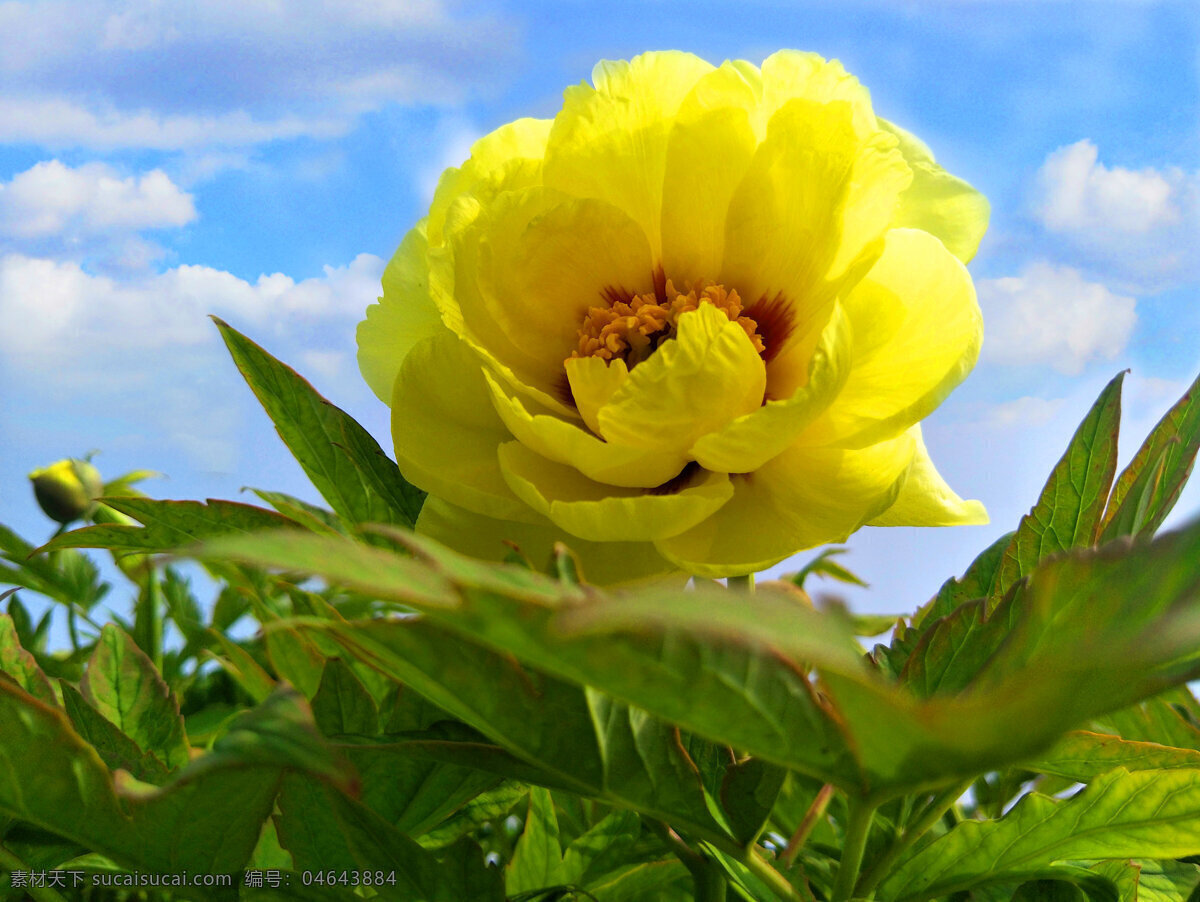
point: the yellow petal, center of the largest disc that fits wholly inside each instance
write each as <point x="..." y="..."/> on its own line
<point x="926" y="500"/>
<point x="604" y="513"/>
<point x="813" y="206"/>
<point x="445" y="431"/>
<point x="708" y="151"/>
<point x="507" y="159"/>
<point x="610" y="142"/>
<point x="749" y="441"/>
<point x="404" y="315"/>
<point x="791" y="74"/>
<point x="802" y="498"/>
<point x="569" y="443"/>
<point x="517" y="282"/>
<point x="917" y="332"/>
<point x="938" y="202"/>
<point x="593" y="382"/>
<point x="603" y="563"/>
<point x="694" y="384"/>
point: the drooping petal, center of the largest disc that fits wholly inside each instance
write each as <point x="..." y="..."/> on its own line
<point x="917" y="332"/>
<point x="708" y="375"/>
<point x="605" y="513"/>
<point x="926" y="499"/>
<point x="746" y="443"/>
<point x="812" y="207"/>
<point x="603" y="563"/>
<point x="403" y="316"/>
<point x="801" y="498"/>
<point x="568" y="443"/>
<point x="709" y="149"/>
<point x="610" y="142"/>
<point x="938" y="202"/>
<point x="446" y="432"/>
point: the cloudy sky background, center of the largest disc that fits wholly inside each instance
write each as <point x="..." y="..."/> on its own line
<point x="261" y="161"/>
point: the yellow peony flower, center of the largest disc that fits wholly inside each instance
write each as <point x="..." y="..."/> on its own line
<point x="690" y="324"/>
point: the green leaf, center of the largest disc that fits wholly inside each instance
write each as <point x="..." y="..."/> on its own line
<point x="537" y="859"/>
<point x="824" y="565"/>
<point x="952" y="650"/>
<point x="240" y="665"/>
<point x="323" y="830"/>
<point x="168" y="525"/>
<point x="1095" y="630"/>
<point x="605" y="847"/>
<point x="748" y="794"/>
<point x="976" y="582"/>
<point x="1082" y="756"/>
<point x="1149" y="814"/>
<point x="307" y="515"/>
<point x="1068" y="513"/>
<point x="114" y="748"/>
<point x="342" y="704"/>
<point x="1148" y="488"/>
<point x="207" y="819"/>
<point x="407" y="781"/>
<point x="581" y="740"/>
<point x="123" y="686"/>
<point x="345" y="464"/>
<point x="19" y="664"/>
<point x="1152" y="881"/>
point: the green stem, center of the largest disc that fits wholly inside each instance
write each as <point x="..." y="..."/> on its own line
<point x="777" y="883"/>
<point x="697" y="864"/>
<point x="815" y="811"/>
<point x="854" y="844"/>
<point x="11" y="862"/>
<point x="741" y="583"/>
<point x="933" y="812"/>
<point x="154" y="621"/>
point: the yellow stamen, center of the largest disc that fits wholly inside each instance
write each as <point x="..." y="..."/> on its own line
<point x="633" y="329"/>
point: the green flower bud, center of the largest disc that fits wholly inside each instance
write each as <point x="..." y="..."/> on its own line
<point x="67" y="490"/>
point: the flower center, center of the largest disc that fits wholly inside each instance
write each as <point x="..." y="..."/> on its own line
<point x="632" y="328"/>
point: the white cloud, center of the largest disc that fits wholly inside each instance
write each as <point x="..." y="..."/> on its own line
<point x="1139" y="228"/>
<point x="1020" y="413"/>
<point x="1050" y="315"/>
<point x="227" y="73"/>
<point x="69" y="318"/>
<point x="1079" y="193"/>
<point x="53" y="199"/>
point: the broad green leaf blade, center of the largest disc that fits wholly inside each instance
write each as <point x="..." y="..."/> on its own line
<point x="1082" y="756"/>
<point x="748" y="794"/>
<point x="1152" y="881"/>
<point x="1149" y="814"/>
<point x="206" y="820"/>
<point x="607" y="846"/>
<point x="953" y="649"/>
<point x="310" y="516"/>
<point x="115" y="748"/>
<point x="1096" y="631"/>
<point x="19" y="664"/>
<point x="240" y="665"/>
<point x="581" y="740"/>
<point x="323" y="829"/>
<point x="1068" y="513"/>
<point x="409" y="783"/>
<point x="537" y="861"/>
<point x="167" y="525"/>
<point x="1164" y="719"/>
<point x="1148" y="488"/>
<point x="121" y="684"/>
<point x="342" y="703"/>
<point x="345" y="464"/>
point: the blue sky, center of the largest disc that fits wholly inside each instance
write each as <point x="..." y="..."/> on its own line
<point x="261" y="161"/>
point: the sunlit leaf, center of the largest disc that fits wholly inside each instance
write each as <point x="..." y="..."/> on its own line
<point x="345" y="464"/>
<point x="121" y="683"/>
<point x="1148" y="814"/>
<point x="20" y="665"/>
<point x="1148" y="488"/>
<point x="1068" y="513"/>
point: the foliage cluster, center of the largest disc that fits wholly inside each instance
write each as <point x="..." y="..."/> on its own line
<point x="419" y="725"/>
